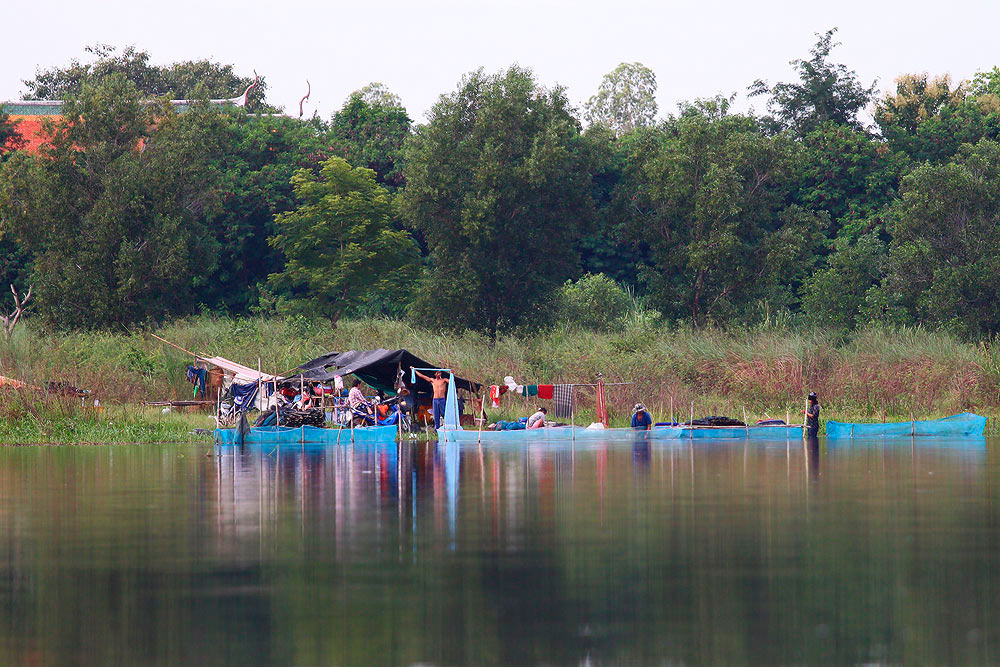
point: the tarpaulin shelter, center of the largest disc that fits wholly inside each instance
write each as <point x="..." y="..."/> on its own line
<point x="377" y="368"/>
<point x="233" y="372"/>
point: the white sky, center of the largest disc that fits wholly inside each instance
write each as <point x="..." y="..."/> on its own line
<point x="421" y="49"/>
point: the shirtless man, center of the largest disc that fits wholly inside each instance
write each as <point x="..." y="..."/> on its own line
<point x="440" y="385"/>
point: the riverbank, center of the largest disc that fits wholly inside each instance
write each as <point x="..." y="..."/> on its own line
<point x="873" y="375"/>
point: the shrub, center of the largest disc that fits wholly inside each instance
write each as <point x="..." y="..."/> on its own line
<point x="595" y="301"/>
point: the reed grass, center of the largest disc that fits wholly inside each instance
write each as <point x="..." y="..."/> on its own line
<point x="874" y="374"/>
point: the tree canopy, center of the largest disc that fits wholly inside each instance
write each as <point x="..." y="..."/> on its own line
<point x="498" y="182"/>
<point x="626" y="99"/>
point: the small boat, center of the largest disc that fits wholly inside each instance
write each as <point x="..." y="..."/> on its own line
<point x="960" y="425"/>
<point x="283" y="435"/>
<point x="752" y="432"/>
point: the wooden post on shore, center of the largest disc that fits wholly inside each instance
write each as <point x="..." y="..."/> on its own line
<point x="672" y="409"/>
<point x="260" y="378"/>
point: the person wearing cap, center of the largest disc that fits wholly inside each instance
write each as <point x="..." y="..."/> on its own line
<point x="812" y="416"/>
<point x="641" y="419"/>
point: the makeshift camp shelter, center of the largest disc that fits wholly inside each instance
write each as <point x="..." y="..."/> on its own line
<point x="377" y="368"/>
<point x="229" y="372"/>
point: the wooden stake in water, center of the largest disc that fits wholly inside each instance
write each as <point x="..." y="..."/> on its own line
<point x="746" y="422"/>
<point x="691" y="423"/>
<point x="672" y="410"/>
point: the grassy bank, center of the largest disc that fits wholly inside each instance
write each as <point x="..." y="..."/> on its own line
<point x="870" y="376"/>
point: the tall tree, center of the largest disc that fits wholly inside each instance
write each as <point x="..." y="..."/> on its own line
<point x="369" y="131"/>
<point x="183" y="80"/>
<point x="944" y="263"/>
<point x="825" y="92"/>
<point x="710" y="195"/>
<point x="626" y="99"/>
<point x="112" y="207"/>
<point x="261" y="155"/>
<point x="499" y="183"/>
<point x="338" y="244"/>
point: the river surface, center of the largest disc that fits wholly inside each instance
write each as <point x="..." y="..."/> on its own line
<point x="662" y="553"/>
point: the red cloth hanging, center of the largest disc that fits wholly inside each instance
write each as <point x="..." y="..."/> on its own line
<point x="602" y="412"/>
<point x="545" y="391"/>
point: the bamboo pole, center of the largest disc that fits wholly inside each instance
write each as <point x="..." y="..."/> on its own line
<point x="164" y="340"/>
<point x="805" y="418"/>
<point x="277" y="416"/>
<point x="691" y="423"/>
<point x="672" y="409"/>
<point x="482" y="418"/>
<point x="746" y="422"/>
<point x="572" y="411"/>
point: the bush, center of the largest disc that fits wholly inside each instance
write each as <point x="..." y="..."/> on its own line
<point x="595" y="301"/>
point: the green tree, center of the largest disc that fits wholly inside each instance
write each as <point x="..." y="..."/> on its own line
<point x="595" y="301"/>
<point x="626" y="99"/>
<point x="369" y="131"/>
<point x="112" y="210"/>
<point x="183" y="80"/>
<point x="710" y="195"/>
<point x="608" y="247"/>
<point x="928" y="118"/>
<point x="825" y="92"/>
<point x="499" y="184"/>
<point x="945" y="252"/>
<point x="847" y="173"/>
<point x="338" y="244"/>
<point x="262" y="153"/>
<point x="836" y="294"/>
<point x="10" y="138"/>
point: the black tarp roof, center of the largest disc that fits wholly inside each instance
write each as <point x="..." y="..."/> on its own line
<point x="377" y="368"/>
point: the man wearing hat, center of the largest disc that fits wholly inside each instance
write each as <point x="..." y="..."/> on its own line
<point x="641" y="419"/>
<point x="812" y="416"/>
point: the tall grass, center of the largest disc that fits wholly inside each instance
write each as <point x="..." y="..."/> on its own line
<point x="769" y="369"/>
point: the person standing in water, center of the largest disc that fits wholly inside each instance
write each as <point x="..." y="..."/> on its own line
<point x="440" y="385"/>
<point x="812" y="416"/>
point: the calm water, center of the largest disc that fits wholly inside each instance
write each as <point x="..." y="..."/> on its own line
<point x="721" y="553"/>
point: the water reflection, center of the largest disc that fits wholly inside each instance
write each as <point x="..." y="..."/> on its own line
<point x="721" y="552"/>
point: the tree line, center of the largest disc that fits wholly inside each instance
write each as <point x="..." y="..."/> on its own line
<point x="508" y="207"/>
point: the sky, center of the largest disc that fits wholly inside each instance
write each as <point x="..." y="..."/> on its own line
<point x="420" y="50"/>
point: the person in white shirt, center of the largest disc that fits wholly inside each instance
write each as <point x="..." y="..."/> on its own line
<point x="537" y="420"/>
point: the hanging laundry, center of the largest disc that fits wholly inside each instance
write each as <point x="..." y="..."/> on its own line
<point x="562" y="395"/>
<point x="531" y="390"/>
<point x="545" y="391"/>
<point x="495" y="395"/>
